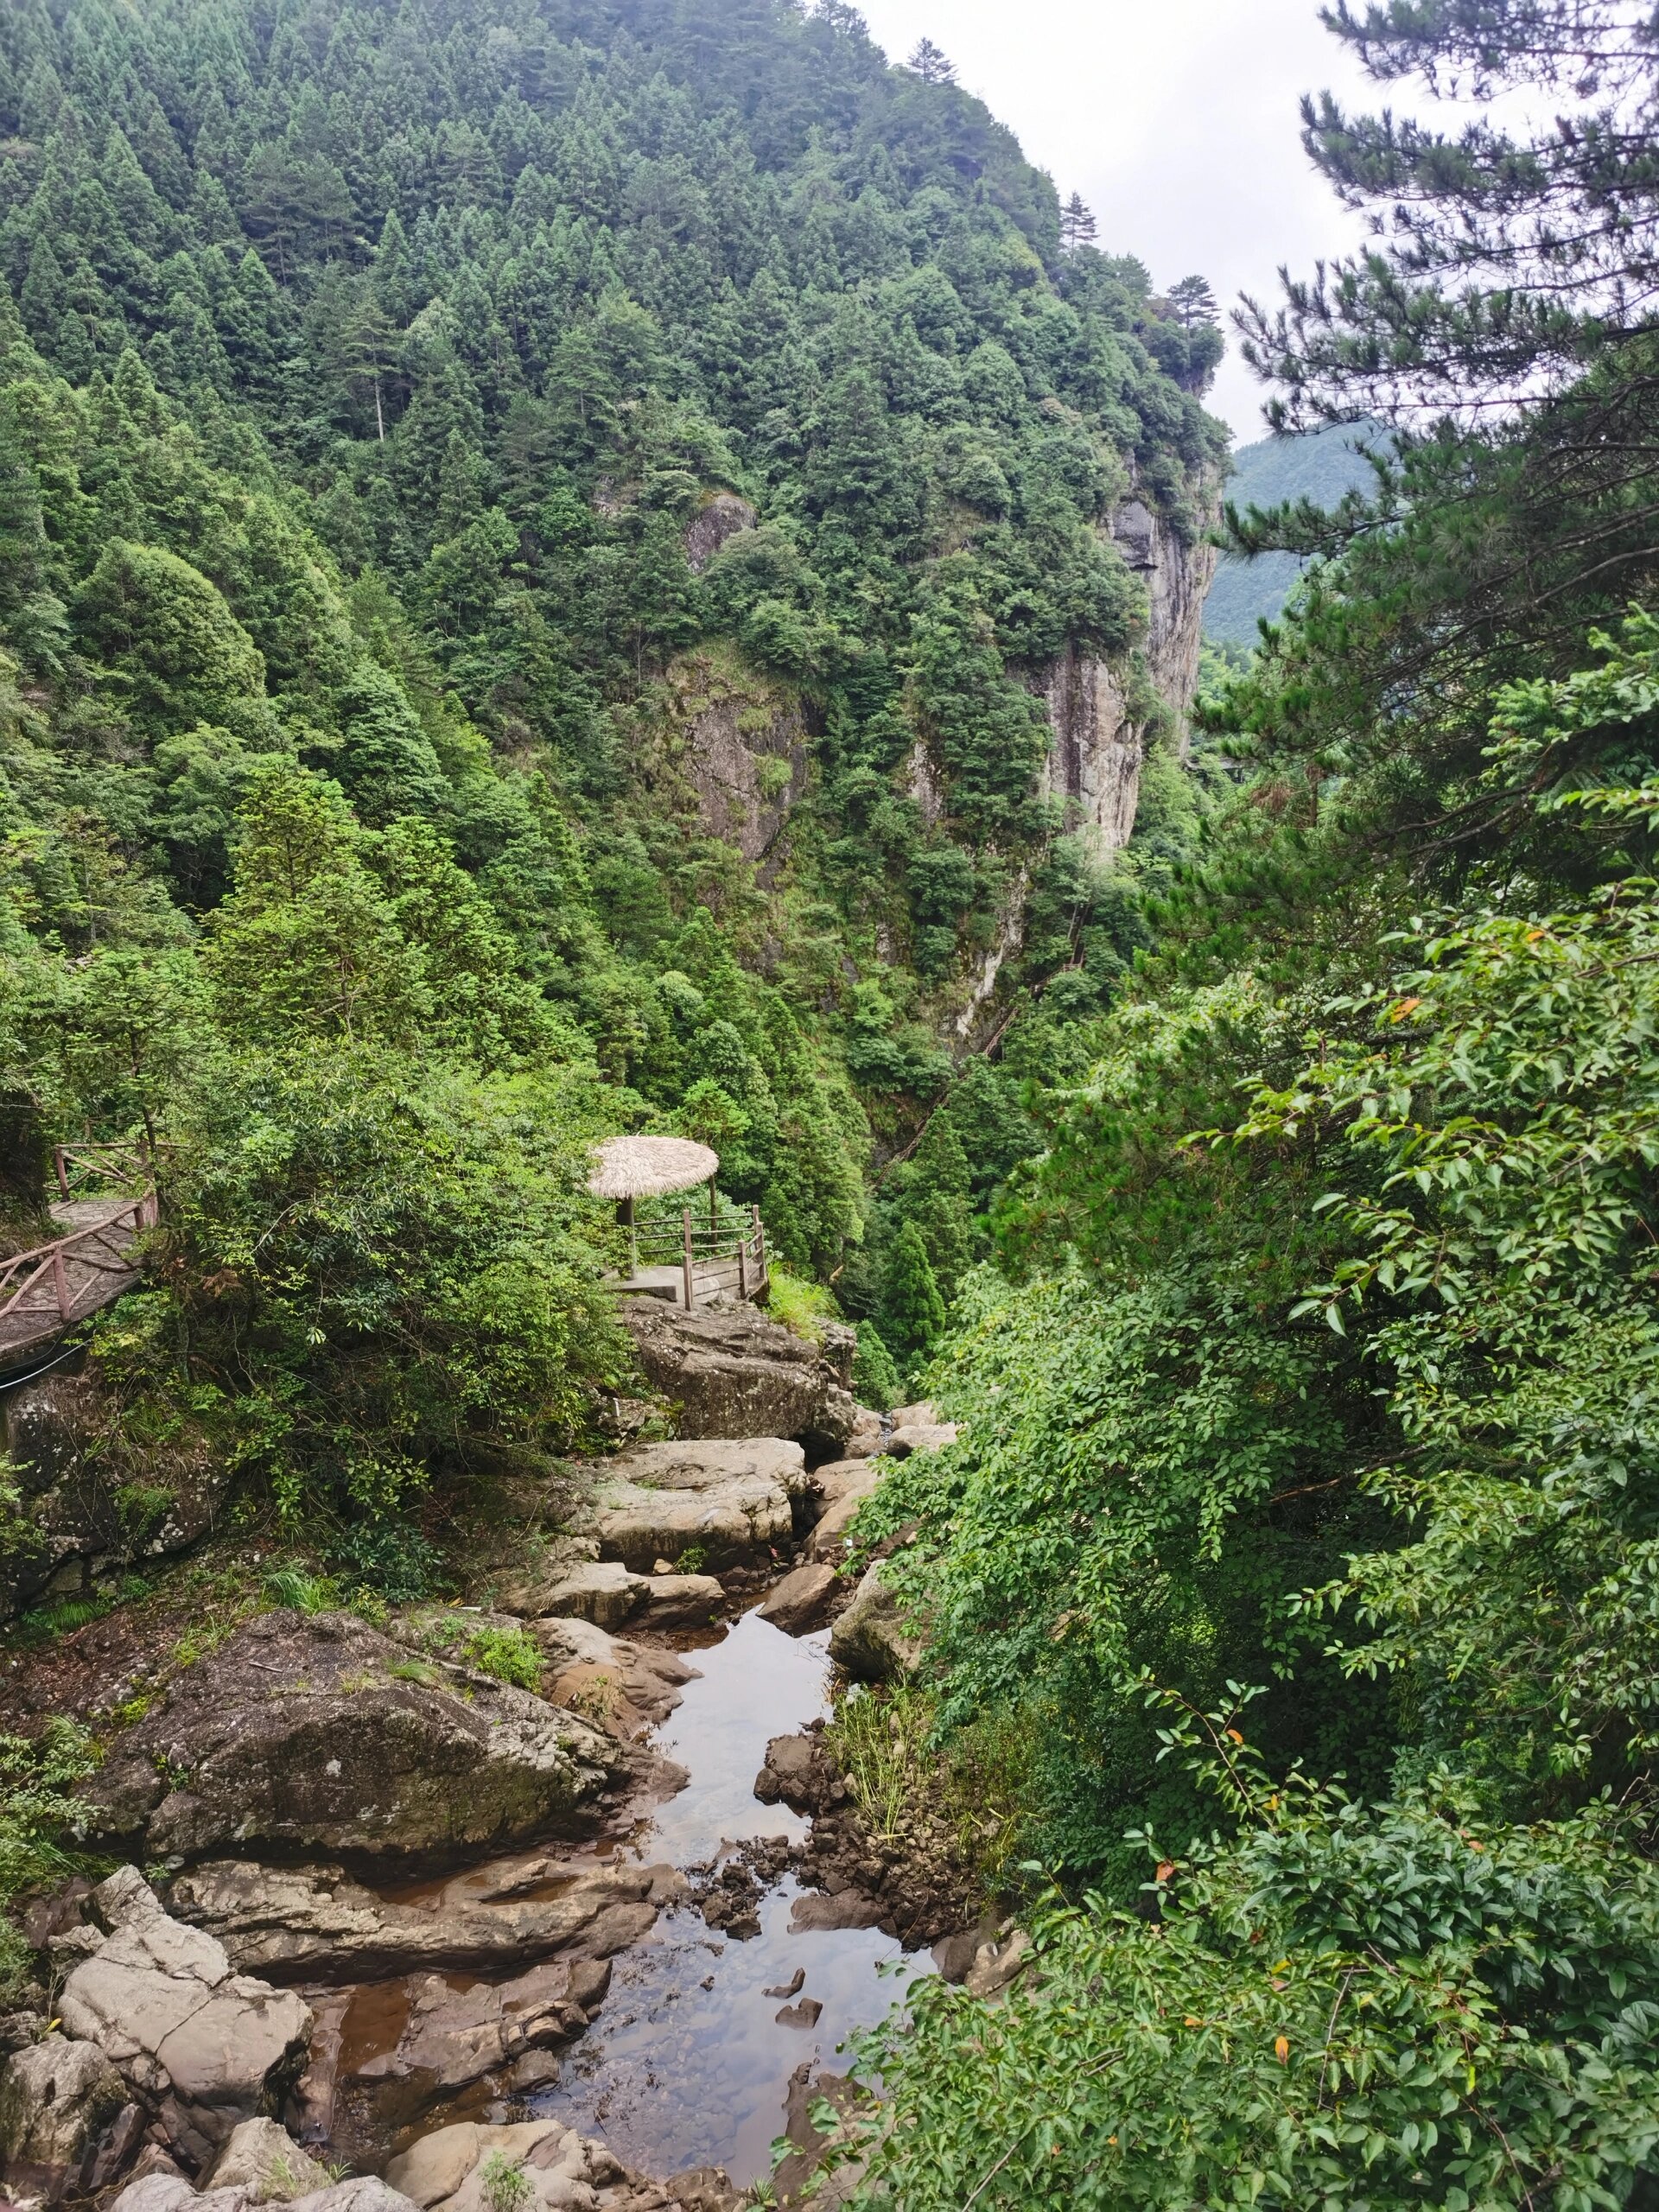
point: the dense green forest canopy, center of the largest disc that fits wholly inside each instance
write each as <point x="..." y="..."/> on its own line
<point x="411" y="418"/>
<point x="1295" y="1567"/>
<point x="411" y="422"/>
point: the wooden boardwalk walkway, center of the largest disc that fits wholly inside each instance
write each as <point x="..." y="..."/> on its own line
<point x="46" y="1291"/>
<point x="691" y="1263"/>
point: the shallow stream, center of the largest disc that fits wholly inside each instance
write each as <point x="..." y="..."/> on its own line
<point x="687" y="2064"/>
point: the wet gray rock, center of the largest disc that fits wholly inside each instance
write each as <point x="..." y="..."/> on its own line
<point x="722" y="515"/>
<point x="455" y="2038"/>
<point x="803" y="1600"/>
<point x="60" y="2103"/>
<point x="314" y="1924"/>
<point x="201" y="2046"/>
<point x="263" y="2160"/>
<point x="603" y="1591"/>
<point x="316" y="1731"/>
<point x="729" y="1372"/>
<point x="919" y="1436"/>
<point x="874" y="1640"/>
<point x="726" y="1502"/>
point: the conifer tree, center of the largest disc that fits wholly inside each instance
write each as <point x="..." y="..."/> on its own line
<point x="912" y="1319"/>
<point x="936" y="1200"/>
<point x="1077" y="224"/>
<point x="931" y="65"/>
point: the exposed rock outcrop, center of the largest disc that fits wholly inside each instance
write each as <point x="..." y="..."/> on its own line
<point x="317" y="1733"/>
<point x="315" y="1924"/>
<point x="1098" y="710"/>
<point x="727" y="1503"/>
<point x="729" y="1372"/>
<point x="737" y="743"/>
<point x="199" y="2046"/>
<point x="875" y="1640"/>
<point x="722" y="515"/>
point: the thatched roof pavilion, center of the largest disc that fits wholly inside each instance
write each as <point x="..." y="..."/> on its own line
<point x="650" y="1168"/>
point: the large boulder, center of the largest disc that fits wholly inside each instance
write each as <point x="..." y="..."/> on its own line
<point x="803" y="1601"/>
<point x="316" y="1732"/>
<point x="602" y="1590"/>
<point x="450" y="2171"/>
<point x="874" y="1639"/>
<point x="725" y="1503"/>
<point x="830" y="1532"/>
<point x="62" y="2104"/>
<point x="728" y="1371"/>
<point x="314" y="1924"/>
<point x="201" y="2046"/>
<point x="263" y="2160"/>
<point x="919" y="1436"/>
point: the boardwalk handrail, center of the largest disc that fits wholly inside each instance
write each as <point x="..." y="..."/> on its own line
<point x="697" y="1247"/>
<point x="28" y="1274"/>
<point x="73" y="1164"/>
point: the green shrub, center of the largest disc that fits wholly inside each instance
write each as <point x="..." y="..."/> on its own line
<point x="510" y="1654"/>
<point x="875" y="1379"/>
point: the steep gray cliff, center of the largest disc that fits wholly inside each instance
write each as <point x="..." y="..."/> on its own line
<point x="1099" y="709"/>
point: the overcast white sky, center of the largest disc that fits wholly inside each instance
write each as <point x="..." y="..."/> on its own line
<point x="1175" y="119"/>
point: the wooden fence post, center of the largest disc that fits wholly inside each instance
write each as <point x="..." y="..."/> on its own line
<point x="690" y="1278"/>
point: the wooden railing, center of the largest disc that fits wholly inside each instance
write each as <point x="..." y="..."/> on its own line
<point x="700" y="1248"/>
<point x="45" y="1290"/>
<point x="74" y="1164"/>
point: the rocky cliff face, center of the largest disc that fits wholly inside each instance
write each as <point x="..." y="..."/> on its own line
<point x="737" y="746"/>
<point x="1098" y="708"/>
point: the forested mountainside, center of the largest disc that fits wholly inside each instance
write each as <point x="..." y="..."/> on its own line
<point x="638" y="497"/>
<point x="573" y="570"/>
<point x="1320" y="466"/>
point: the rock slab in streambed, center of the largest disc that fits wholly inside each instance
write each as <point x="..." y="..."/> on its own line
<point x="314" y="1924"/>
<point x="875" y="1639"/>
<point x="201" y="2046"/>
<point x="449" y="2170"/>
<point x="264" y="2161"/>
<point x="316" y="1732"/>
<point x="452" y="2037"/>
<point x="729" y="1372"/>
<point x="803" y="1600"/>
<point x="726" y="1503"/>
<point x="61" y="2102"/>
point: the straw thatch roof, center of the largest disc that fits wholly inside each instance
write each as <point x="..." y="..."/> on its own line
<point x="649" y="1167"/>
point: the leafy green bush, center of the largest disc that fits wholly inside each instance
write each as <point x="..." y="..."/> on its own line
<point x="38" y="1813"/>
<point x="875" y="1378"/>
<point x="511" y="1655"/>
<point x="1396" y="2007"/>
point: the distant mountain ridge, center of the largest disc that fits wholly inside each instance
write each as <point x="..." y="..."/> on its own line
<point x="1320" y="465"/>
